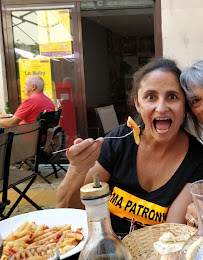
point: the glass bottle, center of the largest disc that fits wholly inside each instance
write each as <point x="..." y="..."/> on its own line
<point x="102" y="243"/>
<point x="193" y="248"/>
<point x="7" y="109"/>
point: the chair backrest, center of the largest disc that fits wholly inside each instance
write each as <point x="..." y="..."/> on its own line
<point x="5" y="153"/>
<point x="53" y="137"/>
<point x="51" y="119"/>
<point x="107" y="117"/>
<point x="25" y="142"/>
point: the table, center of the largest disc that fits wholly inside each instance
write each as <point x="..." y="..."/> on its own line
<point x="73" y="257"/>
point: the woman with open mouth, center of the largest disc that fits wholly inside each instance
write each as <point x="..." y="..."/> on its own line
<point x="149" y="182"/>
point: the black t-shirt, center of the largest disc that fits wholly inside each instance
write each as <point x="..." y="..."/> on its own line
<point x="129" y="200"/>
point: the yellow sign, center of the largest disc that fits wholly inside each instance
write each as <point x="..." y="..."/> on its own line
<point x="54" y="33"/>
<point x="40" y="67"/>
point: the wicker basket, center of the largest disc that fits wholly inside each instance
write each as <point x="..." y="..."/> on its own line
<point x="141" y="242"/>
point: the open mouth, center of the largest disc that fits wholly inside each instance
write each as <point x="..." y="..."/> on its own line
<point x="162" y="125"/>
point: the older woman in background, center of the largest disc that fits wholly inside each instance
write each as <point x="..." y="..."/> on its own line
<point x="191" y="80"/>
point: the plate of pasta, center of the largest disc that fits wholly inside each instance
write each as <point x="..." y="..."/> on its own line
<point x="64" y="228"/>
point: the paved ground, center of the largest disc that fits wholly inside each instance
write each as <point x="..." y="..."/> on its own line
<point x="43" y="193"/>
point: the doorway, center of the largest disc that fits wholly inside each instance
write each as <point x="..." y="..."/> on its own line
<point x="116" y="43"/>
<point x="43" y="40"/>
<point x="116" y="38"/>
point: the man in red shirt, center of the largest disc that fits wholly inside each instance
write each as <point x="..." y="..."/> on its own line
<point x="31" y="107"/>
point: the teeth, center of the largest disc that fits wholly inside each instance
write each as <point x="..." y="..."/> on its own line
<point x="161" y="131"/>
<point x="162" y="118"/>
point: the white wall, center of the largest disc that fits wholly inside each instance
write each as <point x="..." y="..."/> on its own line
<point x="182" y="30"/>
<point x="3" y="85"/>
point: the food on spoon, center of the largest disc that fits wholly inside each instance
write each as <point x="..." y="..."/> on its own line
<point x="131" y="123"/>
<point x="169" y="243"/>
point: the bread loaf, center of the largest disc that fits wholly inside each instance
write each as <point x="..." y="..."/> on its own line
<point x="169" y="243"/>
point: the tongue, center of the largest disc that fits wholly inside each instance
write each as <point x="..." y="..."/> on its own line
<point x="162" y="124"/>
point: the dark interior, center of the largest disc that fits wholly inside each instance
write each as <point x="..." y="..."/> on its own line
<point x="116" y="43"/>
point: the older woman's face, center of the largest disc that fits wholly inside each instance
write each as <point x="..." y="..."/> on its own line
<point x="196" y="102"/>
<point x="161" y="103"/>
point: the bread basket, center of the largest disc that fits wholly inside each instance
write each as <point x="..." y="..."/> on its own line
<point x="141" y="242"/>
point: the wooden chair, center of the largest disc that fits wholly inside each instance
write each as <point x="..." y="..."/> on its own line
<point x="5" y="153"/>
<point x="107" y="119"/>
<point x="26" y="144"/>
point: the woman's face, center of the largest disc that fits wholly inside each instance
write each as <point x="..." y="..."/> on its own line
<point x="161" y="103"/>
<point x="197" y="102"/>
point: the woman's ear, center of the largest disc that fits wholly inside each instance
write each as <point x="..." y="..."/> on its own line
<point x="137" y="104"/>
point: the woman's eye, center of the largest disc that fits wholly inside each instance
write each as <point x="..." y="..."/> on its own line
<point x="150" y="97"/>
<point x="195" y="101"/>
<point x="172" y="97"/>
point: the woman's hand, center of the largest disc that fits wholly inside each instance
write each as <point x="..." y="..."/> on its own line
<point x="83" y="154"/>
<point x="82" y="157"/>
<point x="191" y="215"/>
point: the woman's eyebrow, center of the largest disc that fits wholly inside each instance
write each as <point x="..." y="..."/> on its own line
<point x="193" y="97"/>
<point x="151" y="91"/>
<point x="170" y="92"/>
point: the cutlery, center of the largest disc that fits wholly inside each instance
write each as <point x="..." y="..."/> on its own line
<point x="110" y="137"/>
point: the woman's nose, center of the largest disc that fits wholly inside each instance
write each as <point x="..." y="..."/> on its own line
<point x="161" y="106"/>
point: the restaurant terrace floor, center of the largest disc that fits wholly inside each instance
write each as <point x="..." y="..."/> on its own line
<point x="43" y="193"/>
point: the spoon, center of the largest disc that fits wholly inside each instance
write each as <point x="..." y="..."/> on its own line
<point x="110" y="137"/>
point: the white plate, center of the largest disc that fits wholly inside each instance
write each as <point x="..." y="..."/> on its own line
<point x="51" y="217"/>
<point x="5" y="115"/>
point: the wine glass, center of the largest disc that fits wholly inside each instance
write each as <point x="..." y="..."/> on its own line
<point x="1" y="246"/>
<point x="193" y="248"/>
<point x="42" y="252"/>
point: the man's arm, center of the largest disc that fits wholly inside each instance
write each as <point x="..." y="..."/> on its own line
<point x="6" y="122"/>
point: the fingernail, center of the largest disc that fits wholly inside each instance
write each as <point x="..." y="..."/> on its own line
<point x="99" y="139"/>
<point x="91" y="140"/>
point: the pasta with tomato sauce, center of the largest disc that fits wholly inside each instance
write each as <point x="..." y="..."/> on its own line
<point x="30" y="234"/>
